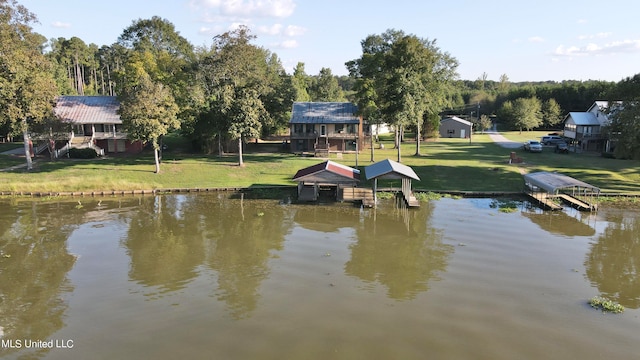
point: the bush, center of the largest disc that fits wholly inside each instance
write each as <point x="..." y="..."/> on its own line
<point x="86" y="153"/>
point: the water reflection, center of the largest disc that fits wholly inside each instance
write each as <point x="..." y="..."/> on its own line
<point x="241" y="236"/>
<point x="613" y="263"/>
<point x="399" y="249"/>
<point x="211" y="271"/>
<point x="165" y="244"/>
<point x="561" y="223"/>
<point x="34" y="263"/>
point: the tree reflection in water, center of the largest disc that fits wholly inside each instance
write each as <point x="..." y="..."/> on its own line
<point x="34" y="263"/>
<point x="613" y="264"/>
<point x="398" y="248"/>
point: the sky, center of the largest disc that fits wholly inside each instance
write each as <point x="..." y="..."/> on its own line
<point x="525" y="40"/>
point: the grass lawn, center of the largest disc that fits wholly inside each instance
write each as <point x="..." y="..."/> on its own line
<point x="445" y="164"/>
<point x="10" y="146"/>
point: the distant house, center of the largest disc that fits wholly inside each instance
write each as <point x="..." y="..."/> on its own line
<point x="585" y="128"/>
<point x="95" y="123"/>
<point x="454" y="127"/>
<point x="323" y="127"/>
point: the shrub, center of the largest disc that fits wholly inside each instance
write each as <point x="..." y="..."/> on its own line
<point x="86" y="153"/>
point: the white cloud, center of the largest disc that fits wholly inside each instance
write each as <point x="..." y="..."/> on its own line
<point x="615" y="47"/>
<point x="247" y="8"/>
<point x="60" y="24"/>
<point x="286" y="44"/>
<point x="582" y="21"/>
<point x="536" y="39"/>
<point x="273" y="30"/>
<point x="293" y="30"/>
<point x="600" y="35"/>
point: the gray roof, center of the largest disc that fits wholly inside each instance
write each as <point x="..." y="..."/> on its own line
<point x="455" y="118"/>
<point x="88" y="109"/>
<point x="583" y="118"/>
<point x="324" y="113"/>
<point x="551" y="182"/>
<point x="389" y="169"/>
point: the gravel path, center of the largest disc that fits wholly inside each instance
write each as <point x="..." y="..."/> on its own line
<point x="503" y="141"/>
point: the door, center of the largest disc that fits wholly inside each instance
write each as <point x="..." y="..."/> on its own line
<point x="462" y="133"/>
<point x="323" y="130"/>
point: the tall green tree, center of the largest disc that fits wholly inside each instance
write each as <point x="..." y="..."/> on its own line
<point x="412" y="77"/>
<point x="233" y="72"/>
<point x="148" y="109"/>
<point x="623" y="129"/>
<point x="551" y="113"/>
<point x="27" y="86"/>
<point x="325" y="88"/>
<point x="301" y="83"/>
<point x="245" y="114"/>
<point x="527" y="113"/>
<point x="172" y="65"/>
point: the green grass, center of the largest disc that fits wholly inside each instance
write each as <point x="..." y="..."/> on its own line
<point x="445" y="165"/>
<point x="10" y="146"/>
<point x="8" y="161"/>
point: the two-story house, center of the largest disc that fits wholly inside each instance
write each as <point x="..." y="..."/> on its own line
<point x="323" y="127"/>
<point x="585" y="128"/>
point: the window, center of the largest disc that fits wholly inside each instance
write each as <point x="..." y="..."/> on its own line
<point x="298" y="128"/>
<point x="351" y="128"/>
<point x="339" y="128"/>
<point x="451" y="132"/>
<point x="311" y="128"/>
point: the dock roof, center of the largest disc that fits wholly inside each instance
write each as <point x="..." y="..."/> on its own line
<point x="329" y="172"/>
<point x="389" y="169"/>
<point x="551" y="182"/>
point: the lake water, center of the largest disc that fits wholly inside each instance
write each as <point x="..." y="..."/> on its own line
<point x="220" y="277"/>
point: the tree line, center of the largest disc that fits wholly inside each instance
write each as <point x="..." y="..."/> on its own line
<point x="232" y="90"/>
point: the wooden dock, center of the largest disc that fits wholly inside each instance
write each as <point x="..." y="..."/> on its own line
<point x="576" y="203"/>
<point x="544" y="199"/>
<point x="412" y="201"/>
<point x="355" y="194"/>
<point x="547" y="201"/>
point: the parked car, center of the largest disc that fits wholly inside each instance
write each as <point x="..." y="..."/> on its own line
<point x="533" y="146"/>
<point x="551" y="139"/>
<point x="562" y="147"/>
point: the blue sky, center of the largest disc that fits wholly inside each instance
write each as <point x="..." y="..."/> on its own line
<point x="526" y="40"/>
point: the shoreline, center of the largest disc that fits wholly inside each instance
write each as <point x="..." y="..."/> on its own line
<point x="462" y="193"/>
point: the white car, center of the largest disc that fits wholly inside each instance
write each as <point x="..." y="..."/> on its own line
<point x="533" y="146"/>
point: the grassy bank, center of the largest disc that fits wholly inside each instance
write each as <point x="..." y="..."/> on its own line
<point x="446" y="164"/>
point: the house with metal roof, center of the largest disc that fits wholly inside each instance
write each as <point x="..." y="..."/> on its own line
<point x="455" y="127"/>
<point x="584" y="129"/>
<point x="323" y="127"/>
<point x="95" y="123"/>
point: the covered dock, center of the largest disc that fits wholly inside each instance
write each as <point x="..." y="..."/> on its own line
<point x="546" y="186"/>
<point x="389" y="169"/>
<point x="337" y="178"/>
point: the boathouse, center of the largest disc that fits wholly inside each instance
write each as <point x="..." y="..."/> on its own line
<point x="391" y="170"/>
<point x="546" y="186"/>
<point x="326" y="176"/>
